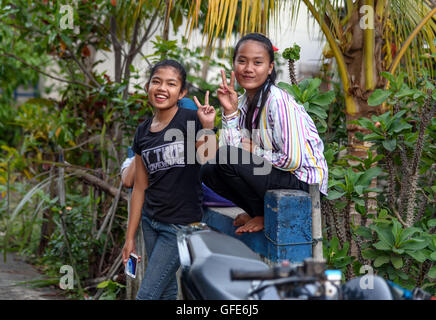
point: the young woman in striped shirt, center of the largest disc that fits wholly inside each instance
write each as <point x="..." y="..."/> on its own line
<point x="267" y="141"/>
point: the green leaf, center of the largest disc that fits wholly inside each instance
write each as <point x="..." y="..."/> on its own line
<point x="433" y="256"/>
<point x="414" y="244"/>
<point x="66" y="39"/>
<point x="387" y="76"/>
<point x="103" y="284"/>
<point x="333" y="195"/>
<point x="358" y="189"/>
<point x="431" y="223"/>
<point x="314" y="84"/>
<point x="397" y="262"/>
<point x="385" y="234"/>
<point x="372" y="136"/>
<point x="372" y="190"/>
<point x="396" y="230"/>
<point x="399" y="82"/>
<point x="402" y="275"/>
<point x="318" y="111"/>
<point x="364" y="232"/>
<point x="418" y="95"/>
<point x="432" y="272"/>
<point x="399" y="126"/>
<point x="378" y="97"/>
<point x="360" y="209"/>
<point x="368" y="175"/>
<point x="390" y="145"/>
<point x="417" y="255"/>
<point x="370" y="254"/>
<point x="408" y="232"/>
<point x="340" y="205"/>
<point x="324" y="99"/>
<point x="334" y="243"/>
<point x="285" y="86"/>
<point x="344" y="251"/>
<point x="381" y="245"/>
<point x="397" y="251"/>
<point x="381" y="260"/>
<point x="404" y="93"/>
<point x="359" y="201"/>
<point x="383" y="213"/>
<point x="368" y="124"/>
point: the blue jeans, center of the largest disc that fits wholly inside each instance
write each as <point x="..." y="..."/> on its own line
<point x="160" y="282"/>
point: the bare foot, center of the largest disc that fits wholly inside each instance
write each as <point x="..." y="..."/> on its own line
<point x="241" y="219"/>
<point x="253" y="225"/>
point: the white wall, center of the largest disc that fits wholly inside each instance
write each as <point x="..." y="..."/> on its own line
<point x="282" y="35"/>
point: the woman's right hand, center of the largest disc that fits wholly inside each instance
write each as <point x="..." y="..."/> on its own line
<point x="227" y="94"/>
<point x="129" y="247"/>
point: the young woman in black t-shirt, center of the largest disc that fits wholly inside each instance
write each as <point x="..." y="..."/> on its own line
<point x="167" y="177"/>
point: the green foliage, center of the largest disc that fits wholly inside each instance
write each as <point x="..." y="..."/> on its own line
<point x="352" y="183"/>
<point x="392" y="246"/>
<point x="337" y="257"/>
<point x="292" y="53"/>
<point x="112" y="290"/>
<point x="400" y="139"/>
<point x="315" y="102"/>
<point x="93" y="109"/>
<point x="90" y="123"/>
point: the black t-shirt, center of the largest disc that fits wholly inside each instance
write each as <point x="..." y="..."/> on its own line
<point x="174" y="193"/>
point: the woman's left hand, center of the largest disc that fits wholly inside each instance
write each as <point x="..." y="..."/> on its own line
<point x="206" y="113"/>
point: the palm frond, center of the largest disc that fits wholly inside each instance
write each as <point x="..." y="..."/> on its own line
<point x="221" y="16"/>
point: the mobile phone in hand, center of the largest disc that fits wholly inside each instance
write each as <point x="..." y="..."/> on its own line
<point x="131" y="265"/>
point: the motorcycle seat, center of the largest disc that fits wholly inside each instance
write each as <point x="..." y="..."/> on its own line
<point x="213" y="254"/>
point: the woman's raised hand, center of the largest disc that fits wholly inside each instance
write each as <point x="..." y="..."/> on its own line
<point x="227" y="94"/>
<point x="206" y="113"/>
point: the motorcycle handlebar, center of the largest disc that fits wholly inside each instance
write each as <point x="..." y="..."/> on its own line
<point x="269" y="274"/>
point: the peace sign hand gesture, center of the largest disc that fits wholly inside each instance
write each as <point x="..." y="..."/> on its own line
<point x="206" y="113"/>
<point x="227" y="94"/>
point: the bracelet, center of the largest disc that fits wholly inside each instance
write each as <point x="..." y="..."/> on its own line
<point x="230" y="115"/>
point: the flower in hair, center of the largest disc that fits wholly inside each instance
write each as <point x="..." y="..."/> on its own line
<point x="275" y="49"/>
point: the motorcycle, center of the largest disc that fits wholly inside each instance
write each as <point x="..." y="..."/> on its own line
<point x="215" y="266"/>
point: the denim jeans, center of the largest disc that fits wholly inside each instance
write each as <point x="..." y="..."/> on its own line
<point x="159" y="281"/>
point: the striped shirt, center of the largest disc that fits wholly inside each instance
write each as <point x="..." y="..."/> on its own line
<point x="286" y="137"/>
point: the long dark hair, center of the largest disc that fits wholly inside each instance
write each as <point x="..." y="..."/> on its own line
<point x="263" y="91"/>
<point x="170" y="63"/>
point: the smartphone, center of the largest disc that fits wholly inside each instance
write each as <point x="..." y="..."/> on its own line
<point x="131" y="265"/>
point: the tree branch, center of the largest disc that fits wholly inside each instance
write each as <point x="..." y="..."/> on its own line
<point x="45" y="73"/>
<point x="117" y="49"/>
<point x="101" y="184"/>
<point x="82" y="67"/>
<point x="147" y="33"/>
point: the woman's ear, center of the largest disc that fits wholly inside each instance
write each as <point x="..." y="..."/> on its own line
<point x="271" y="67"/>
<point x="183" y="93"/>
<point x="146" y="88"/>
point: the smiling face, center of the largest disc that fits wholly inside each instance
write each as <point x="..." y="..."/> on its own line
<point x="252" y="65"/>
<point x="165" y="88"/>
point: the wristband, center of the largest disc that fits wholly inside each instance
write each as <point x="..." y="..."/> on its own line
<point x="232" y="115"/>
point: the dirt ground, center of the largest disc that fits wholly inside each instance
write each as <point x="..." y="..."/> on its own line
<point x="16" y="270"/>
